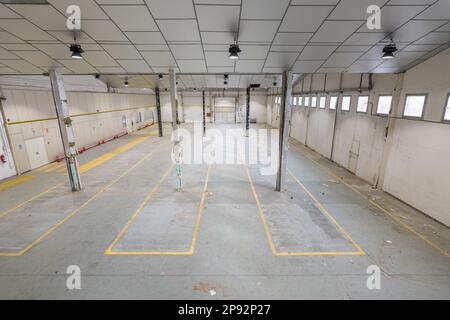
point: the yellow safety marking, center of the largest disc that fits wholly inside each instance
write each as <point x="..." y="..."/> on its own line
<point x="393" y="217"/>
<point x="57" y="225"/>
<point x="109" y="250"/>
<point x="324" y="210"/>
<point x="55" y="167"/>
<point x="47" y="166"/>
<point x="14" y="181"/>
<point x="269" y="235"/>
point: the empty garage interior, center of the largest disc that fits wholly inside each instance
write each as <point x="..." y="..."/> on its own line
<point x="225" y="149"/>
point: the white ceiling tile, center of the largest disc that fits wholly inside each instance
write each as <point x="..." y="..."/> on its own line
<point x="44" y="16"/>
<point x="89" y="9"/>
<point x="68" y="37"/>
<point x="145" y="37"/>
<point x="435" y="38"/>
<point x="5" y="54"/>
<point x="220" y="69"/>
<point x="297" y="49"/>
<point x="402" y="59"/>
<point x="363" y="66"/>
<point x="316" y="52"/>
<point x="218" y="59"/>
<point x="330" y="70"/>
<point x="248" y="66"/>
<point x="345" y="48"/>
<point x="257" y="31"/>
<point x="18" y="46"/>
<point x="187" y="66"/>
<point x="415" y="29"/>
<point x="364" y="39"/>
<point x="253" y="51"/>
<point x="159" y="58"/>
<point x="7" y="70"/>
<point x="78" y="66"/>
<point x="217" y="37"/>
<point x="135" y="66"/>
<point x="335" y="31"/>
<point x="179" y="30"/>
<point x="421" y="47"/>
<point x="152" y="47"/>
<point x="280" y="59"/>
<point x="230" y="2"/>
<point x="110" y="69"/>
<point x="292" y="38"/>
<point x="123" y="52"/>
<point x="131" y="18"/>
<point x="354" y="9"/>
<point x="21" y="66"/>
<point x="218" y="18"/>
<point x="37" y="58"/>
<point x="187" y="51"/>
<point x="264" y="9"/>
<point x="216" y="47"/>
<point x="392" y="17"/>
<point x="304" y="19"/>
<point x="24" y="29"/>
<point x="6" y="37"/>
<point x="173" y="9"/>
<point x="7" y="13"/>
<point x="56" y="51"/>
<point x="440" y="10"/>
<point x="306" y="66"/>
<point x="103" y="30"/>
<point x="99" y="58"/>
<point x="341" y="59"/>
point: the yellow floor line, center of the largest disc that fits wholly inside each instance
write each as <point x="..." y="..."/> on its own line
<point x="270" y="238"/>
<point x="324" y="210"/>
<point x="14" y="181"/>
<point x="47" y="166"/>
<point x="49" y="231"/>
<point x="55" y="168"/>
<point x="109" y="250"/>
<point x="396" y="219"/>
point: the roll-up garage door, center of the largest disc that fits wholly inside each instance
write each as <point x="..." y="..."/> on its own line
<point x="225" y="110"/>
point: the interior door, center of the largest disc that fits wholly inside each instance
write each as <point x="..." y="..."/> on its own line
<point x="7" y="168"/>
<point x="37" y="154"/>
<point x="225" y="110"/>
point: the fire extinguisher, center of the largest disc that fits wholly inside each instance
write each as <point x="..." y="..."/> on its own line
<point x="2" y="158"/>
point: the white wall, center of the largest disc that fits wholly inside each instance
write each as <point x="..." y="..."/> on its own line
<point x="412" y="161"/>
<point x="96" y="116"/>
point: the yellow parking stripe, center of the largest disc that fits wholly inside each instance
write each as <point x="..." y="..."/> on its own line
<point x="54" y="168"/>
<point x="47" y="166"/>
<point x="14" y="181"/>
<point x="201" y="206"/>
<point x="57" y="225"/>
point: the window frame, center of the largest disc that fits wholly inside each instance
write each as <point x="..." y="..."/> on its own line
<point x="378" y="103"/>
<point x="294" y="101"/>
<point x="447" y="102"/>
<point x="336" y="105"/>
<point x="325" y="103"/>
<point x="368" y="101"/>
<point x="304" y="100"/>
<point x="424" y="105"/>
<point x="313" y="105"/>
<point x="349" y="104"/>
<point x="300" y="101"/>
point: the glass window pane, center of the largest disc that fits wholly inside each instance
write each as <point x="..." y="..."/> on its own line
<point x="363" y="103"/>
<point x="306" y="101"/>
<point x="300" y="101"/>
<point x="295" y="101"/>
<point x="384" y="104"/>
<point x="414" y="106"/>
<point x="314" y="102"/>
<point x="333" y="102"/>
<point x="447" y="110"/>
<point x="346" y="103"/>
<point x="322" y="103"/>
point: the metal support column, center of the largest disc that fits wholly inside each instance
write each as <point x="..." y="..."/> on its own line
<point x="285" y="110"/>
<point x="158" y="111"/>
<point x="247" y="114"/>
<point x="177" y="147"/>
<point x="204" y="113"/>
<point x="66" y="129"/>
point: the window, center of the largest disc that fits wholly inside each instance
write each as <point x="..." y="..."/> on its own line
<point x="138" y="117"/>
<point x="278" y="100"/>
<point x="384" y="105"/>
<point x="447" y="110"/>
<point x="414" y="105"/>
<point x="346" y="103"/>
<point x="295" y="101"/>
<point x="313" y="102"/>
<point x="363" y="104"/>
<point x="333" y="103"/>
<point x="322" y="102"/>
<point x="306" y="101"/>
<point x="300" y="101"/>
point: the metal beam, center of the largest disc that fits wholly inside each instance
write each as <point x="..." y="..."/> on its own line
<point x="285" y="110"/>
<point x="173" y="98"/>
<point x="247" y="113"/>
<point x="66" y="129"/>
<point x="158" y="111"/>
<point x="204" y="113"/>
<point x="177" y="150"/>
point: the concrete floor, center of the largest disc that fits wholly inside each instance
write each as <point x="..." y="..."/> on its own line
<point x="227" y="235"/>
